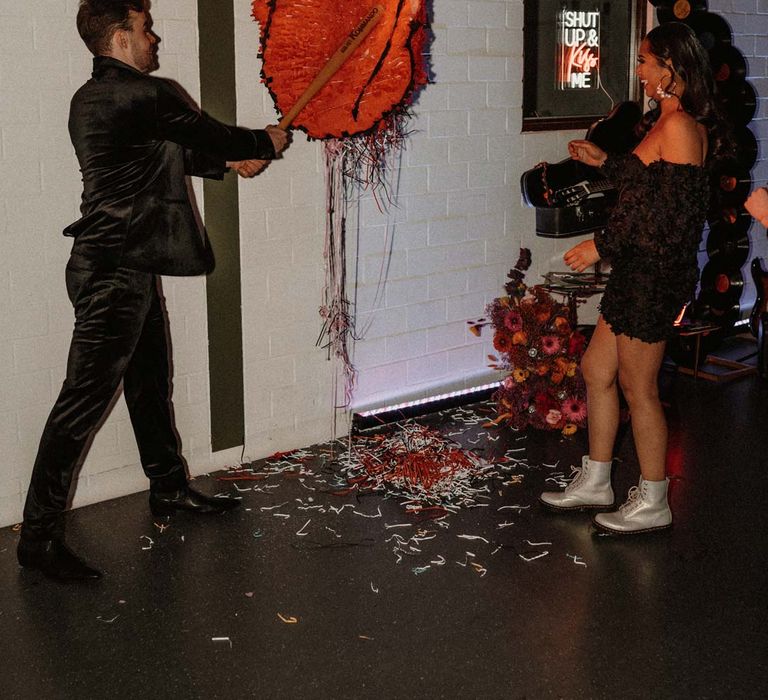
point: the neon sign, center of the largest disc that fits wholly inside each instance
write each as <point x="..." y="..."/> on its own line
<point x="578" y="49"/>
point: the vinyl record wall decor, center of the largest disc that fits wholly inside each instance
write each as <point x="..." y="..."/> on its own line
<point x="727" y="245"/>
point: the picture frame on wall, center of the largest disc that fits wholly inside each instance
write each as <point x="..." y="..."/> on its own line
<point x="579" y="61"/>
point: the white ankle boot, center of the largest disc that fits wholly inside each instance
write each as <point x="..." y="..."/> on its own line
<point x="590" y="488"/>
<point x="646" y="510"/>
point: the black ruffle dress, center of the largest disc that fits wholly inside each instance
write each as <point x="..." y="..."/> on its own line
<point x="651" y="240"/>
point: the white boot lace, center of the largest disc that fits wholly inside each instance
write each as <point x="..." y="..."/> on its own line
<point x="579" y="475"/>
<point x="633" y="501"/>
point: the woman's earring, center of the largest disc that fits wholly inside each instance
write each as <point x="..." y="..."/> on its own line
<point x="666" y="94"/>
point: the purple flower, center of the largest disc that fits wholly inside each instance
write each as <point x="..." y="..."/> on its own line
<point x="524" y="261"/>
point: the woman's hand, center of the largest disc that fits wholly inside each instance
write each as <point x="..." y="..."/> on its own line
<point x="586" y="152"/>
<point x="582" y="256"/>
<point x="757" y="205"/>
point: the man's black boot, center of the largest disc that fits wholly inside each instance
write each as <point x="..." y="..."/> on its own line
<point x="166" y="503"/>
<point x="55" y="560"/>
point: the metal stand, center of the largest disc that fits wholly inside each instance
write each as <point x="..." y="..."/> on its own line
<point x="575" y="287"/>
<point x="714" y="368"/>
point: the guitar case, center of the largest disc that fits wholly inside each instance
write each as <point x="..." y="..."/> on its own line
<point x="588" y="216"/>
<point x="545" y="185"/>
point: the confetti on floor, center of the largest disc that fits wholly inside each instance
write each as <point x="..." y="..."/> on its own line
<point x="436" y="477"/>
<point x="416" y="463"/>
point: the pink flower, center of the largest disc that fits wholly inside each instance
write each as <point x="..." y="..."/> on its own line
<point x="574" y="410"/>
<point x="508" y="382"/>
<point x="554" y="417"/>
<point x="550" y="344"/>
<point x="514" y="321"/>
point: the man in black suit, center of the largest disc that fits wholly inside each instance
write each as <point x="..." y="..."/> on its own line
<point x="136" y="140"/>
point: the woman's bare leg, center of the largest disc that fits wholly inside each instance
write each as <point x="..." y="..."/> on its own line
<point x="639" y="365"/>
<point x="600" y="369"/>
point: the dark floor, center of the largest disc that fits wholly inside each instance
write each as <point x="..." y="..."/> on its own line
<point x="194" y="611"/>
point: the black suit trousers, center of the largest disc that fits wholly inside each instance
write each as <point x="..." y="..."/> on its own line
<point x="119" y="335"/>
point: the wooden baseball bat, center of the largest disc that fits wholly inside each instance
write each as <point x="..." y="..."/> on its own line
<point x="335" y="62"/>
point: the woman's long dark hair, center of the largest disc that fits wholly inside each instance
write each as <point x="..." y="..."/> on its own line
<point x="677" y="42"/>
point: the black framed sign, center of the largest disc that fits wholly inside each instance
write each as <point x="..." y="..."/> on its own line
<point x="579" y="60"/>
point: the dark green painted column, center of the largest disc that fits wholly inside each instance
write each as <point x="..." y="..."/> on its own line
<point x="218" y="96"/>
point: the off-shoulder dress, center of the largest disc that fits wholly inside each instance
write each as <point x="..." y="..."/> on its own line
<point x="651" y="240"/>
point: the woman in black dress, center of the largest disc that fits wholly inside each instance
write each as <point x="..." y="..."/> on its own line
<point x="651" y="242"/>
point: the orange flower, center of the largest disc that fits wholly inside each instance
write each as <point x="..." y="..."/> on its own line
<point x="542" y="369"/>
<point x="520" y="375"/>
<point x="520" y="338"/>
<point x="502" y="342"/>
<point x="562" y="324"/>
<point x="569" y="429"/>
<point x="557" y="377"/>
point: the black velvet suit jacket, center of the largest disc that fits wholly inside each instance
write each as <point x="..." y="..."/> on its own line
<point x="136" y="138"/>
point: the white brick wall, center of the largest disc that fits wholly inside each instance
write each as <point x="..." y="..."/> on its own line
<point x="288" y="381"/>
<point x="456" y="232"/>
<point x="459" y="223"/>
<point x="457" y="229"/>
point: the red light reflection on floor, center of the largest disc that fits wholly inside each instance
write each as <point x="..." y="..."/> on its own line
<point x="675" y="459"/>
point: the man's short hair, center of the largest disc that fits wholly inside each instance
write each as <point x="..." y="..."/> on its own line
<point x="98" y="20"/>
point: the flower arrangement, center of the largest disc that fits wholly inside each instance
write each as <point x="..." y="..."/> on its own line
<point x="541" y="352"/>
